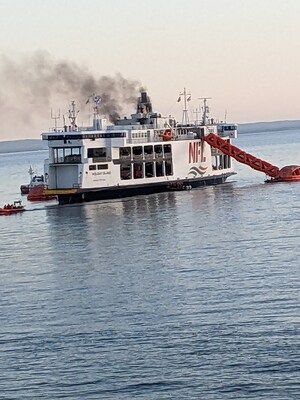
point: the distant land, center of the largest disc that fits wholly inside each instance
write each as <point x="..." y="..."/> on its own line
<point x="14" y="146"/>
<point x="256" y="127"/>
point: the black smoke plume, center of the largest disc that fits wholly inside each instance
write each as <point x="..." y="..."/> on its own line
<point x="32" y="85"/>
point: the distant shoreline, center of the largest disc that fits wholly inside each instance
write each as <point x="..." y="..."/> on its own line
<point x="23" y="145"/>
<point x="19" y="146"/>
<point x="256" y="127"/>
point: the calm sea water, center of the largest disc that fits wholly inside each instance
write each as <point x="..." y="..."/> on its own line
<point x="182" y="295"/>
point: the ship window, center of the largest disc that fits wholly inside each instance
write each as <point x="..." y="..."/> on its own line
<point x="67" y="152"/>
<point x="92" y="167"/>
<point x="125" y="152"/>
<point x="137" y="152"/>
<point x="158" y="150"/>
<point x="148" y="151"/>
<point x="66" y="155"/>
<point x="97" y="154"/>
<point x="159" y="168"/>
<point x="137" y="171"/>
<point x="125" y="171"/>
<point x="197" y="133"/>
<point x="228" y="127"/>
<point x="58" y="155"/>
<point x="149" y="170"/>
<point x="72" y="155"/>
<point x="168" y="166"/>
<point x="102" y="166"/>
<point x="167" y="150"/>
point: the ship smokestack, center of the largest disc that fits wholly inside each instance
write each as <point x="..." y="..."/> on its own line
<point x="144" y="105"/>
<point x="144" y="97"/>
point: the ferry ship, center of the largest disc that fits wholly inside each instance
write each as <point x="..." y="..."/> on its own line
<point x="142" y="154"/>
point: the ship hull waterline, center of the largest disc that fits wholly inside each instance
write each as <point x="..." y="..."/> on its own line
<point x="72" y="196"/>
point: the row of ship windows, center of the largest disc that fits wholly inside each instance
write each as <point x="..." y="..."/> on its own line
<point x="140" y="170"/>
<point x="225" y="128"/>
<point x="93" y="167"/>
<point x="131" y="152"/>
<point x="140" y="134"/>
<point x="66" y="155"/>
<point x="73" y="154"/>
<point x="92" y="136"/>
<point x="146" y="170"/>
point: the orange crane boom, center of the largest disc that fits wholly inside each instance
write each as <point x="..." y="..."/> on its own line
<point x="241" y="156"/>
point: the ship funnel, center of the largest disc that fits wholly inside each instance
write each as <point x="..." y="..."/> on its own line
<point x="144" y="97"/>
<point x="144" y="105"/>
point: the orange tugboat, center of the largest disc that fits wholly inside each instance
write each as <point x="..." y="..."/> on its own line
<point x="34" y="181"/>
<point x="37" y="193"/>
<point x="9" y="209"/>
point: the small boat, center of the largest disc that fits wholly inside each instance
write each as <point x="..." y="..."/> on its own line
<point x="14" y="208"/>
<point x="34" y="181"/>
<point x="37" y="193"/>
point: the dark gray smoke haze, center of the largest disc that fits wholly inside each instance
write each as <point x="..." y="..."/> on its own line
<point x="32" y="85"/>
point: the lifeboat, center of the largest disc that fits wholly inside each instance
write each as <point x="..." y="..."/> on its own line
<point x="10" y="209"/>
<point x="167" y="135"/>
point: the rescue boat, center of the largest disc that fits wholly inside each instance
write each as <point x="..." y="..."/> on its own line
<point x="15" y="208"/>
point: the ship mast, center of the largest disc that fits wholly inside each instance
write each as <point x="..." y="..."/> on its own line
<point x="185" y="117"/>
<point x="96" y="100"/>
<point x="205" y="109"/>
<point x="55" y="117"/>
<point x="96" y="115"/>
<point x="72" y="116"/>
<point x="31" y="172"/>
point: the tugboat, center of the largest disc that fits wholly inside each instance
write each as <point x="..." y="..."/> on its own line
<point x="34" y="181"/>
<point x="14" y="208"/>
<point x="37" y="193"/>
<point x="142" y="154"/>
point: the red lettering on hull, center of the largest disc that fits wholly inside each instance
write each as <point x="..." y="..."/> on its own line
<point x="196" y="152"/>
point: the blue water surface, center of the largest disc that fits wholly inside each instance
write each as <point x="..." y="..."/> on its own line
<point x="179" y="295"/>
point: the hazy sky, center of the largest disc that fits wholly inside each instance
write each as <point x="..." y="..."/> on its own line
<point x="245" y="54"/>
